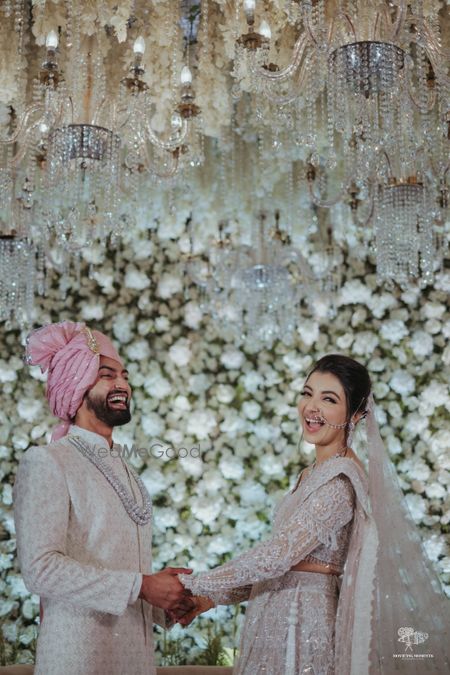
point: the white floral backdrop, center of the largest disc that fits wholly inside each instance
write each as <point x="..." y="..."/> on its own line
<point x="194" y="390"/>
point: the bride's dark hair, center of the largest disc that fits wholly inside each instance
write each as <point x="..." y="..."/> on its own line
<point x="353" y="377"/>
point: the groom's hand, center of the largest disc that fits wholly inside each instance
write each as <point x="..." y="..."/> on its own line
<point x="165" y="590"/>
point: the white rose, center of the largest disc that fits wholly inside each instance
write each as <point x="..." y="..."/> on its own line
<point x="394" y="445"/>
<point x="380" y="390"/>
<point x="199" y="383"/>
<point x="378" y="304"/>
<point x="265" y="431"/>
<point x="252" y="493"/>
<point x="417" y="506"/>
<point x="231" y="467"/>
<point x="201" y="423"/>
<point x="377" y="365"/>
<point x="308" y="331"/>
<point x="105" y="280"/>
<point x="123" y="328"/>
<point x="154" y="480"/>
<point x="272" y="377"/>
<point x="7" y="374"/>
<point x="182" y="403"/>
<point x="169" y="285"/>
<point x="435" y="491"/>
<point x="152" y="424"/>
<point x="232" y="359"/>
<point x="220" y="545"/>
<point x="233" y="424"/>
<point x="394" y="410"/>
<point x="415" y="424"/>
<point x="192" y="315"/>
<point x="34" y="371"/>
<point x="7" y="495"/>
<point x="250" y="528"/>
<point x="165" y="517"/>
<point x="296" y="363"/>
<point x="418" y="470"/>
<point x="92" y="312"/>
<point x="365" y="343"/>
<point x="192" y="466"/>
<point x="433" y="326"/>
<point x="251" y="409"/>
<point x="162" y="324"/>
<point x="440" y="441"/>
<point x="205" y="509"/>
<point x="157" y="386"/>
<point x="446" y="355"/>
<point x="402" y="382"/>
<point x="434" y="546"/>
<point x="433" y="310"/>
<point x="393" y="330"/>
<point x="135" y="279"/>
<point x="271" y="465"/>
<point x="225" y="393"/>
<point x="180" y="353"/>
<point x="433" y="396"/>
<point x="142" y="249"/>
<point x="252" y="381"/>
<point x="421" y="343"/>
<point x="138" y="350"/>
<point x="344" y="341"/>
<point x="354" y="292"/>
<point x="17" y="586"/>
<point x="30" y="409"/>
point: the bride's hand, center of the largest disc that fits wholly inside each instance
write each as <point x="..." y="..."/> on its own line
<point x="201" y="604"/>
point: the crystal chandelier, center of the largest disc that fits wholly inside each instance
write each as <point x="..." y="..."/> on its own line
<point x="20" y="279"/>
<point x="145" y="151"/>
<point x="363" y="76"/>
<point x="255" y="291"/>
<point x="406" y="239"/>
<point x="22" y="262"/>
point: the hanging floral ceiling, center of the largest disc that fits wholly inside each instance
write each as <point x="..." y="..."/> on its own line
<point x="149" y="115"/>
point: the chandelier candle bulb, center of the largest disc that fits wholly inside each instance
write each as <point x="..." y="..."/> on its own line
<point x="139" y="45"/>
<point x="264" y="30"/>
<point x="249" y="5"/>
<point x="186" y="75"/>
<point x="51" y="41"/>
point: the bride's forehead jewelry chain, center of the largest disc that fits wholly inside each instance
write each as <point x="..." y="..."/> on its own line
<point x="140" y="514"/>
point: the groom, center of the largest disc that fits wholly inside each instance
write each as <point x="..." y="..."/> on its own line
<point x="83" y="519"/>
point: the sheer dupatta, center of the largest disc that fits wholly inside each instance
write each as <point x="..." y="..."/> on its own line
<point x="392" y="612"/>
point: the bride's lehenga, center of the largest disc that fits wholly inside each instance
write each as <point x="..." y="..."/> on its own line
<point x="312" y="524"/>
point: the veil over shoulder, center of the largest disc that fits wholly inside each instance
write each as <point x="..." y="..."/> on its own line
<point x="393" y="615"/>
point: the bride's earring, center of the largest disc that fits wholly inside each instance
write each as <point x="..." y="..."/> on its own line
<point x="351" y="429"/>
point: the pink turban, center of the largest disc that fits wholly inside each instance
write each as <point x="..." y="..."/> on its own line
<point x="71" y="354"/>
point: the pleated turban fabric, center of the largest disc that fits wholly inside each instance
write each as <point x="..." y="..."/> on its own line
<point x="70" y="352"/>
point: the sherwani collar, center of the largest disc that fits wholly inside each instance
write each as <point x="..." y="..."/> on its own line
<point x="90" y="437"/>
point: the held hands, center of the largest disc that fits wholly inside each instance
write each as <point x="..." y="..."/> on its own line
<point x="201" y="604"/>
<point x="165" y="590"/>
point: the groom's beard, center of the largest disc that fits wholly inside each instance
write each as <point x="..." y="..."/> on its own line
<point x="104" y="413"/>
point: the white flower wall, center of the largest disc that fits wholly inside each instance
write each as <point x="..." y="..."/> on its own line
<point x="217" y="425"/>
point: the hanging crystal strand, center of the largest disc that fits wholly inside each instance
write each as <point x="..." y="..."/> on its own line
<point x="69" y="19"/>
<point x="311" y="139"/>
<point x="19" y="20"/>
<point x="290" y="200"/>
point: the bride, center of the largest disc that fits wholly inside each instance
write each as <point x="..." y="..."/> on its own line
<point x="314" y="586"/>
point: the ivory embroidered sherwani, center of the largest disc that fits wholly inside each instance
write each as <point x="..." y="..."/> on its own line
<point x="84" y="556"/>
